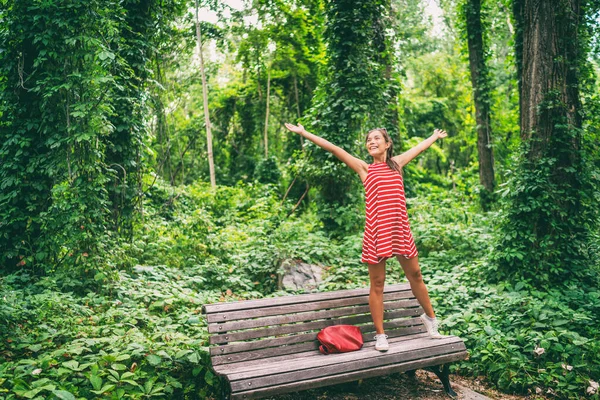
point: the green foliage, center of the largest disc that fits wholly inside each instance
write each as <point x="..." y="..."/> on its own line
<point x="141" y="337"/>
<point x="357" y="94"/>
<point x="71" y="130"/>
<point x="237" y="237"/>
<point x="520" y="338"/>
<point x="502" y="324"/>
<point x="550" y="213"/>
<point x="267" y="171"/>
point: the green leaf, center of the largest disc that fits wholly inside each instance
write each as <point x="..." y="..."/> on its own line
<point x="123" y="357"/>
<point x="105" y="388"/>
<point x="72" y="364"/>
<point x="119" y="367"/>
<point x="153" y="359"/>
<point x="96" y="381"/>
<point x="63" y="395"/>
<point x="193" y="358"/>
<point x="209" y="377"/>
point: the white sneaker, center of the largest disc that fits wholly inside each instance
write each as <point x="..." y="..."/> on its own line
<point x="432" y="327"/>
<point x="382" y="343"/>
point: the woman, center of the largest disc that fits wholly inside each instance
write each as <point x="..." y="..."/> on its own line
<point x="387" y="230"/>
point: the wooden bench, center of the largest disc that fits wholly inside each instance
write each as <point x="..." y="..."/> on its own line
<point x="268" y="346"/>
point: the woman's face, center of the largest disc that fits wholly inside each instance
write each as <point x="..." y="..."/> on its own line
<point x="376" y="144"/>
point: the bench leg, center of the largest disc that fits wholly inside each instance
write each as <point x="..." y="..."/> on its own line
<point x="443" y="373"/>
<point x="224" y="392"/>
<point x="411" y="373"/>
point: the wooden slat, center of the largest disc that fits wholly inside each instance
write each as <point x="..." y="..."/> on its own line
<point x="306" y="316"/>
<point x="305" y="327"/>
<point x="303" y="307"/>
<point x="349" y="366"/>
<point x="390" y="329"/>
<point x="303" y="298"/>
<point x="284" y="352"/>
<point x="240" y="366"/>
<point x="345" y="358"/>
<point x="347" y="377"/>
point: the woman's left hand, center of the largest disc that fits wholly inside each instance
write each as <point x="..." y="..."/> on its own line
<point x="440" y="134"/>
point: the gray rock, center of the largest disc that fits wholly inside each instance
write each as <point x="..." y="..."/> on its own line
<point x="300" y="276"/>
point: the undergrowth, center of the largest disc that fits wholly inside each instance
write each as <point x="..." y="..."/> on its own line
<point x="141" y="335"/>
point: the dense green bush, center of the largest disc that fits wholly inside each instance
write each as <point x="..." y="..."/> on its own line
<point x="141" y="337"/>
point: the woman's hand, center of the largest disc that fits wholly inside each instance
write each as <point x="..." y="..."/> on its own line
<point x="296" y="129"/>
<point x="439" y="134"/>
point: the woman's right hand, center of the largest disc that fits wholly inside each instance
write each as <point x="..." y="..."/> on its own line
<point x="296" y="129"/>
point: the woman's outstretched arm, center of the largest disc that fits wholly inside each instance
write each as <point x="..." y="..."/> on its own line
<point x="357" y="165"/>
<point x="409" y="155"/>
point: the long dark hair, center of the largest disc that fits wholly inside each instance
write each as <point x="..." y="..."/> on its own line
<point x="390" y="150"/>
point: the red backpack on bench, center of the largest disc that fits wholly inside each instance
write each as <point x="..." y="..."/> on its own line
<point x="340" y="339"/>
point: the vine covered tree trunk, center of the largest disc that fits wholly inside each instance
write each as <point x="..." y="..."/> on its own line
<point x="550" y="211"/>
<point x="481" y="94"/>
<point x="353" y="97"/>
<point x="549" y="74"/>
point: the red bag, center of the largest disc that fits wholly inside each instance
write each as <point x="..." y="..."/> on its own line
<point x="340" y="339"/>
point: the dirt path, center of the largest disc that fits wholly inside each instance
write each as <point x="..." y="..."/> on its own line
<point x="425" y="386"/>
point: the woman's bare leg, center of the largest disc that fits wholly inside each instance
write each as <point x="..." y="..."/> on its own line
<point x="377" y="278"/>
<point x="413" y="274"/>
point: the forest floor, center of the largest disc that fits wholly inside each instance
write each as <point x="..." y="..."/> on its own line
<point x="425" y="386"/>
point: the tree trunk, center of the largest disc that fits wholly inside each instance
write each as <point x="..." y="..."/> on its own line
<point x="549" y="220"/>
<point x="267" y="113"/>
<point x="481" y="93"/>
<point x="549" y="81"/>
<point x="211" y="164"/>
<point x="298" y="106"/>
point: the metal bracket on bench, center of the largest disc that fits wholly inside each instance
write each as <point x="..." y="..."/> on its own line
<point x="443" y="373"/>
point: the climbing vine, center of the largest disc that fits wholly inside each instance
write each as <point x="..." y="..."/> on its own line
<point x="357" y="94"/>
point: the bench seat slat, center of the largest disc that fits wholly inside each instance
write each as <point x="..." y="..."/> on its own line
<point x="356" y="364"/>
<point x="307" y="326"/>
<point x="305" y="364"/>
<point x="298" y="350"/>
<point x="307" y="316"/>
<point x="225" y="316"/>
<point x="348" y="377"/>
<point x="303" y="298"/>
<point x="303" y="337"/>
<point x="241" y="366"/>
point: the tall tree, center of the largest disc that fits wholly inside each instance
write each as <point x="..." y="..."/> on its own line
<point x="211" y="162"/>
<point x="71" y="90"/>
<point x="551" y="210"/>
<point x="354" y="96"/>
<point x="481" y="94"/>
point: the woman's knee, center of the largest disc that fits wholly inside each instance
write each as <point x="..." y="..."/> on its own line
<point x="377" y="286"/>
<point x="414" y="276"/>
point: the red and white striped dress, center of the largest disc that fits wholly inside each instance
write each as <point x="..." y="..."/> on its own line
<point x="387" y="231"/>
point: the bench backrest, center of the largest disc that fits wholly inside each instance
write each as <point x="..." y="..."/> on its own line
<point x="257" y="329"/>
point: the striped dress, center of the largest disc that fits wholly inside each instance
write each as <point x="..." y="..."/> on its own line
<point x="387" y="231"/>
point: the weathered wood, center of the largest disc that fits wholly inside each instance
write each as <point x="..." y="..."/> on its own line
<point x="343" y="358"/>
<point x="303" y="298"/>
<point x="258" y="364"/>
<point x="269" y="346"/>
<point x="317" y="369"/>
<point x="307" y="316"/>
<point x="283" y="352"/>
<point x="304" y="327"/>
<point x="348" y="377"/>
<point x="304" y="337"/>
<point x="225" y="316"/>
